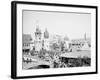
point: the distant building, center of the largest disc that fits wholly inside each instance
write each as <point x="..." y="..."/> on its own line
<point x="77" y="44"/>
<point x="56" y="42"/>
<point x="27" y="42"/>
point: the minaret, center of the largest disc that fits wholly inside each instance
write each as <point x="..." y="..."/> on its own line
<point x="85" y="36"/>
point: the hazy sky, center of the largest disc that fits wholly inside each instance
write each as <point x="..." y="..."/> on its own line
<point x="74" y="25"/>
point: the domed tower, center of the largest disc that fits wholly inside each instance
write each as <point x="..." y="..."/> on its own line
<point x="46" y="40"/>
<point x="38" y="41"/>
<point x="38" y="34"/>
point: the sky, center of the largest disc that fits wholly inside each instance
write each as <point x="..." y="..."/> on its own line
<point x="73" y="25"/>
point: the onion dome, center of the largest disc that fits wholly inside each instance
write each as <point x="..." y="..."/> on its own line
<point x="46" y="34"/>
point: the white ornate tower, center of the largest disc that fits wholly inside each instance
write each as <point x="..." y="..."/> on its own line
<point x="38" y="41"/>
